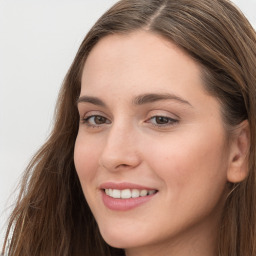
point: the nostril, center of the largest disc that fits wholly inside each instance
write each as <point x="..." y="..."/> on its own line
<point x="115" y="161"/>
<point x="122" y="165"/>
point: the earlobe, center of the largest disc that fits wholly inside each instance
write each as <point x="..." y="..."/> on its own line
<point x="239" y="153"/>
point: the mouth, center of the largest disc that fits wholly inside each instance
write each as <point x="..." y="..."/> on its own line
<point x="128" y="193"/>
<point x="125" y="196"/>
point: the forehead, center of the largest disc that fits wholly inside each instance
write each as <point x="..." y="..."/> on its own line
<point x="139" y="60"/>
<point x="123" y="67"/>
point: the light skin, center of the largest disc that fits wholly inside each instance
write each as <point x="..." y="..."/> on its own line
<point x="146" y="119"/>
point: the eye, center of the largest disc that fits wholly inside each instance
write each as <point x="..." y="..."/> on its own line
<point x="95" y="120"/>
<point x="162" y="120"/>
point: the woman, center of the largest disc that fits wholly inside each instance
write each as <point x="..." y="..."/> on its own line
<point x="153" y="148"/>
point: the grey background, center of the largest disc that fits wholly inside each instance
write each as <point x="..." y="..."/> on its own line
<point x="38" y="41"/>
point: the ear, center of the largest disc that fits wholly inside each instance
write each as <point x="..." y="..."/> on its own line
<point x="239" y="153"/>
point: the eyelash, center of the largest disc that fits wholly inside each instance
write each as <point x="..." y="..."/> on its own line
<point x="86" y="121"/>
<point x="168" y="121"/>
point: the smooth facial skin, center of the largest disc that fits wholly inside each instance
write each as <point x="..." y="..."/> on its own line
<point x="174" y="143"/>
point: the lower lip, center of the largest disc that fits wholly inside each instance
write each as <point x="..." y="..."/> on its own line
<point x="117" y="204"/>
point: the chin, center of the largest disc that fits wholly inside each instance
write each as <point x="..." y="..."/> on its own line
<point x="121" y="240"/>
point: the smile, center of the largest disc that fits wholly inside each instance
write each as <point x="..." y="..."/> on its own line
<point x="128" y="193"/>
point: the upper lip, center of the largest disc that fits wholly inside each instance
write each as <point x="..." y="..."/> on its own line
<point x="124" y="185"/>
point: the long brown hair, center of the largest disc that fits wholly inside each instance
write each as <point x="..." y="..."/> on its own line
<point x="52" y="217"/>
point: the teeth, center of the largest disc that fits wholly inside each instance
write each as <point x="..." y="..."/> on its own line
<point x="143" y="192"/>
<point x="151" y="192"/>
<point x="128" y="193"/>
<point x="116" y="193"/>
<point x="135" y="193"/>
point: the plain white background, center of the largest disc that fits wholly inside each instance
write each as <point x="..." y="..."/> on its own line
<point x="38" y="41"/>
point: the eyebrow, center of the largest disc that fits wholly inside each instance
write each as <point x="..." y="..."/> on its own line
<point x="90" y="99"/>
<point x="153" y="97"/>
<point x="139" y="100"/>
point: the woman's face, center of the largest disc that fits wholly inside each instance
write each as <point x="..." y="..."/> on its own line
<point x="151" y="152"/>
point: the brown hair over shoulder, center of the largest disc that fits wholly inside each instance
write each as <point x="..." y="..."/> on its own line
<point x="52" y="217"/>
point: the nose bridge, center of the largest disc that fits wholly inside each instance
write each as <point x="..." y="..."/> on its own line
<point x="120" y="147"/>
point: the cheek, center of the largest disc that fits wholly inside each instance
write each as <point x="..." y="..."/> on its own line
<point x="190" y="165"/>
<point x="85" y="159"/>
<point x="193" y="179"/>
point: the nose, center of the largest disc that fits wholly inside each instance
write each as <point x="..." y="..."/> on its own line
<point x="120" y="149"/>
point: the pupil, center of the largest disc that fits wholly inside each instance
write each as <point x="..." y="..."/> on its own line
<point x="100" y="120"/>
<point x="161" y="120"/>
